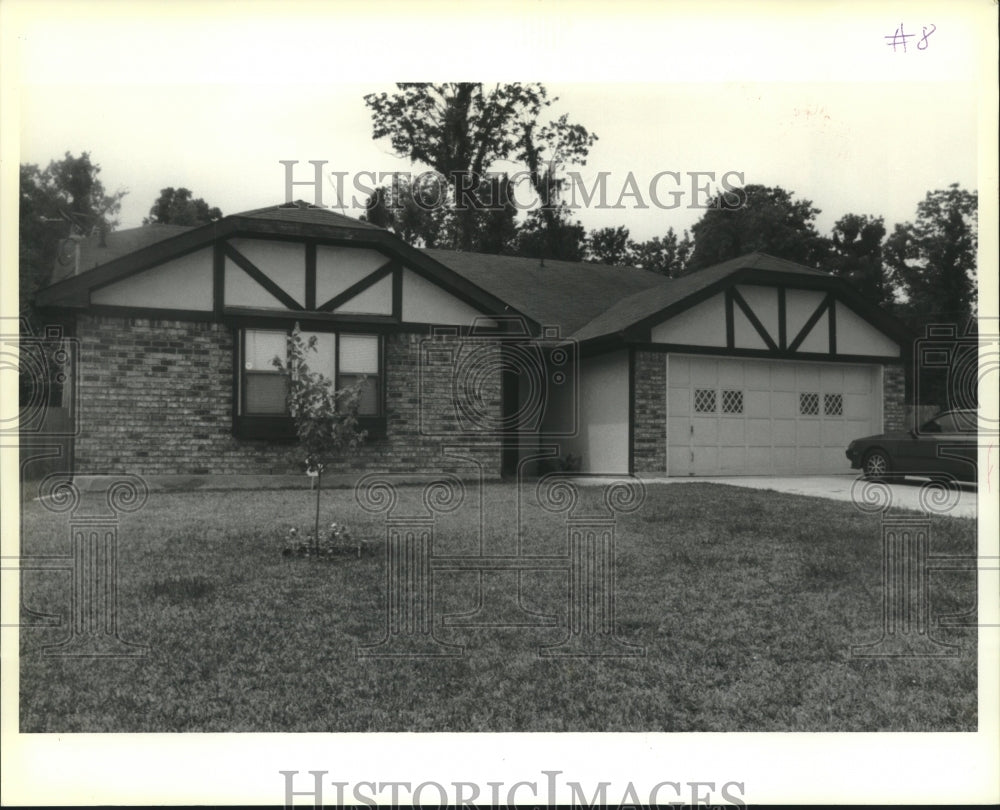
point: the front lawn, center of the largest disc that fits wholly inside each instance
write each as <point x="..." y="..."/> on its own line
<point x="747" y="604"/>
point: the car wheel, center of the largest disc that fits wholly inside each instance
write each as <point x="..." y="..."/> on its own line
<point x="877" y="466"/>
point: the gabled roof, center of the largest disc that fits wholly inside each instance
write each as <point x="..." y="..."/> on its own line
<point x="94" y="251"/>
<point x="637" y="307"/>
<point x="567" y="294"/>
<point x="300" y="211"/>
<point x="587" y="301"/>
<point x="137" y="249"/>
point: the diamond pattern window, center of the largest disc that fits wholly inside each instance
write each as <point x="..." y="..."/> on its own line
<point x="809" y="404"/>
<point x="704" y="400"/>
<point x="833" y="404"/>
<point x="732" y="401"/>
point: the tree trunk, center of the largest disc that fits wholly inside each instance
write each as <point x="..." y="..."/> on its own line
<point x="319" y="481"/>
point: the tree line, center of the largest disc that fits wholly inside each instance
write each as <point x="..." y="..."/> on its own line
<point x="924" y="270"/>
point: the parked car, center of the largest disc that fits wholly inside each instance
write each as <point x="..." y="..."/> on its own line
<point x="944" y="446"/>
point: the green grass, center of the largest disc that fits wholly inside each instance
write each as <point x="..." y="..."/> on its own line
<point x="747" y="604"/>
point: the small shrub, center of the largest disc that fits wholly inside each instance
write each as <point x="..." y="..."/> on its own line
<point x="338" y="541"/>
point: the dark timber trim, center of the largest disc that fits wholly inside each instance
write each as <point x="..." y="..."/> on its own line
<point x="311" y="275"/>
<point x="73" y="292"/>
<point x="831" y="319"/>
<point x="824" y="305"/>
<point x="218" y="278"/>
<point x="357" y="288"/>
<point x="258" y="275"/>
<point x="764" y="354"/>
<point x="831" y="285"/>
<point x="754" y="320"/>
<point x="397" y="292"/>
<point x="278" y="319"/>
<point x="782" y="320"/>
<point x="730" y="321"/>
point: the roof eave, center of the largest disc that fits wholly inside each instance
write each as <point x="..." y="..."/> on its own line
<point x="74" y="292"/>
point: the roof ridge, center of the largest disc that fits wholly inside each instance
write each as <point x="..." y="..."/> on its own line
<point x="541" y="263"/>
<point x="302" y="211"/>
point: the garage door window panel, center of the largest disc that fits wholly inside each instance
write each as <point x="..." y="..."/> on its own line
<point x="704" y="400"/>
<point x="732" y="401"/>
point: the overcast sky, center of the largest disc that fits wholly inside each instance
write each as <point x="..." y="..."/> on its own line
<point x="873" y="149"/>
<point x="165" y="105"/>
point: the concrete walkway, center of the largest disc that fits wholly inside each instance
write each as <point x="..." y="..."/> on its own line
<point x="909" y="494"/>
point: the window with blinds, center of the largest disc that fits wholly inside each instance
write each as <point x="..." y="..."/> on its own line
<point x="359" y="360"/>
<point x="344" y="358"/>
<point x="265" y="388"/>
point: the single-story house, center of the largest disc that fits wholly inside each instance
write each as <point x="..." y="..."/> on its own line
<point x="756" y="365"/>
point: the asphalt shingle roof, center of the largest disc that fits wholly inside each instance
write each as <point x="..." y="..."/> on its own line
<point x="301" y="212"/>
<point x="117" y="244"/>
<point x="567" y="294"/>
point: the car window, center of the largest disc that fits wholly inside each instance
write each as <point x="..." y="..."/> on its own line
<point x="952" y="422"/>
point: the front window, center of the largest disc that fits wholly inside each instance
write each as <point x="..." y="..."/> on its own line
<point x="265" y="388"/>
<point x="344" y="358"/>
<point x="359" y="358"/>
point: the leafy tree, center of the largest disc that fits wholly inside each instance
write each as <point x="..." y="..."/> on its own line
<point x="178" y="207"/>
<point x="552" y="236"/>
<point x="326" y="420"/>
<point x="668" y="255"/>
<point x="610" y="246"/>
<point x="856" y="256"/>
<point x="64" y="200"/>
<point x="412" y="209"/>
<point x="769" y="220"/>
<point x="461" y="130"/>
<point x="932" y="261"/>
<point x="543" y="150"/>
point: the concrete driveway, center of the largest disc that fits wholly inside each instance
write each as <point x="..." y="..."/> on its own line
<point x="912" y="493"/>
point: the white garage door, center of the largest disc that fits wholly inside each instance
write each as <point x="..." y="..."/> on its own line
<point x="758" y="417"/>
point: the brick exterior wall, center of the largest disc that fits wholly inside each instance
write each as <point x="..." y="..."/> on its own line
<point x="156" y="398"/>
<point x="894" y="410"/>
<point x="649" y="447"/>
